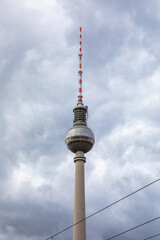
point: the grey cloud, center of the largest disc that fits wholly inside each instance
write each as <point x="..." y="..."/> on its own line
<point x="38" y="72"/>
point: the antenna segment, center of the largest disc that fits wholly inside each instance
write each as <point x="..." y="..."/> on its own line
<point x="80" y="102"/>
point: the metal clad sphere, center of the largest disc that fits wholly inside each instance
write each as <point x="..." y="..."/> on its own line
<point x="80" y="138"/>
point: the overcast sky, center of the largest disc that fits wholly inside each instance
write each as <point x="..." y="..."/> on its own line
<point x="38" y="90"/>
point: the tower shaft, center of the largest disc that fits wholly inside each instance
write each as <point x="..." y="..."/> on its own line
<point x="79" y="230"/>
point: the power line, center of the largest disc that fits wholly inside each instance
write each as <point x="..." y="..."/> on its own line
<point x="152" y="236"/>
<point x="102" y="209"/>
<point x="133" y="228"/>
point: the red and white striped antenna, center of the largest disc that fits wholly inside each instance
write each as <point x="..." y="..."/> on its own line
<point x="80" y="101"/>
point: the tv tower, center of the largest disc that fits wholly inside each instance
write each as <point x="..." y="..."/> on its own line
<point x="79" y="140"/>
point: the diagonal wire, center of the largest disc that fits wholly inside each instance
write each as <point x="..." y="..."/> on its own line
<point x="133" y="228"/>
<point x="102" y="209"/>
<point x="152" y="236"/>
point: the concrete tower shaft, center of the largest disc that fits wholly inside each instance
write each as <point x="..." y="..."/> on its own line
<point x="79" y="230"/>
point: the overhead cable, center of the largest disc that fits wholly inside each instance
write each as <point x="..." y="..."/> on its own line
<point x="102" y="209"/>
<point x="152" y="236"/>
<point x="140" y="225"/>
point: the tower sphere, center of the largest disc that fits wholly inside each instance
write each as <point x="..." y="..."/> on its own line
<point x="80" y="138"/>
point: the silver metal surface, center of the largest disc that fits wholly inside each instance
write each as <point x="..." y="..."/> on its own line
<point x="80" y="138"/>
<point x="80" y="130"/>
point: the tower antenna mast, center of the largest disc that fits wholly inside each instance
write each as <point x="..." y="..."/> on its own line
<point x="80" y="97"/>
